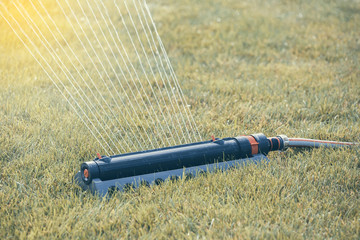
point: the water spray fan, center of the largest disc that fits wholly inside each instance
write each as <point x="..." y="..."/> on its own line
<point x="119" y="172"/>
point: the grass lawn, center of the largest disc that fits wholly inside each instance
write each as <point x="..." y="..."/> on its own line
<point x="277" y="67"/>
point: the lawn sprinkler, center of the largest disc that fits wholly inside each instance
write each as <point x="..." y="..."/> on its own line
<point x="106" y="174"/>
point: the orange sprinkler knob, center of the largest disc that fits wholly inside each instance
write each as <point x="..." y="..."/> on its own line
<point x="86" y="173"/>
<point x="254" y="145"/>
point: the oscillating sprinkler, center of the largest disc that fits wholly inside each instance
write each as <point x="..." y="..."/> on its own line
<point x="108" y="173"/>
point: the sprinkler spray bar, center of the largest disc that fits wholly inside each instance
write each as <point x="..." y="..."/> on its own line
<point x="107" y="173"/>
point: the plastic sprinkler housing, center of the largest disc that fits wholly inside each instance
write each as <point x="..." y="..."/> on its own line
<point x="106" y="173"/>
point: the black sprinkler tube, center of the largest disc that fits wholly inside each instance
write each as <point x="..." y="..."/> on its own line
<point x="177" y="157"/>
